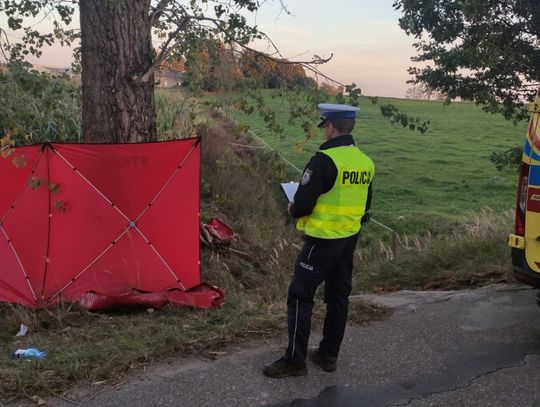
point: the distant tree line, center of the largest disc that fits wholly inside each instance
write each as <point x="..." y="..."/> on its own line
<point x="424" y="92"/>
<point x="213" y="66"/>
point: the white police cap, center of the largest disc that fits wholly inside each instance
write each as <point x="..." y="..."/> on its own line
<point x="335" y="111"/>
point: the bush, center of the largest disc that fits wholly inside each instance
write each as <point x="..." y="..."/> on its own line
<point x="38" y="107"/>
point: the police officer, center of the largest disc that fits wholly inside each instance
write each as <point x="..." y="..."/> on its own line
<point x="332" y="198"/>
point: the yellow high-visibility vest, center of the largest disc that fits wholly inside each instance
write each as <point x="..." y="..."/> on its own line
<point x="337" y="213"/>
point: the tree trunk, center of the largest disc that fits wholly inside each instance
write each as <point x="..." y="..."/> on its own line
<point x="116" y="50"/>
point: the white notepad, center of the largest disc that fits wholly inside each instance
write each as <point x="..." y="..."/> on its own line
<point x="289" y="188"/>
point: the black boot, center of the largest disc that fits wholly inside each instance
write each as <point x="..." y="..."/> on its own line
<point x="327" y="363"/>
<point x="282" y="368"/>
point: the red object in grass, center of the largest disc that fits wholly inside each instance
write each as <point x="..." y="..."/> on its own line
<point x="220" y="231"/>
<point x="201" y="296"/>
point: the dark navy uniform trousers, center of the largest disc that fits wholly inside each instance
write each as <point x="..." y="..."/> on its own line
<point x="320" y="260"/>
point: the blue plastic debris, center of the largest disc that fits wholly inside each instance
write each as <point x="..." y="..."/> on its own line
<point x="30" y="353"/>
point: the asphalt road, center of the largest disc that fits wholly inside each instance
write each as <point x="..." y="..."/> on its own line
<point x="466" y="348"/>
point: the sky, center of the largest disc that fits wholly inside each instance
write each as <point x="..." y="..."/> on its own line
<point x="367" y="45"/>
<point x="364" y="37"/>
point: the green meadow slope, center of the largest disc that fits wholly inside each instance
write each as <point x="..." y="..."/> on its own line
<point x="429" y="181"/>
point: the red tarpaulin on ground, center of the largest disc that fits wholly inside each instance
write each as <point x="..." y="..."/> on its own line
<point x="111" y="220"/>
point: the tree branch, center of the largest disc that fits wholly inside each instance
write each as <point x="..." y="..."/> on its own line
<point x="166" y="49"/>
<point x="281" y="60"/>
<point x="158" y="10"/>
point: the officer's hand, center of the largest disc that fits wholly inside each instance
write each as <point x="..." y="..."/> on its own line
<point x="289" y="207"/>
<point x="366" y="218"/>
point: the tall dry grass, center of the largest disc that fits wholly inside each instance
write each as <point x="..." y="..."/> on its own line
<point x="474" y="253"/>
<point x="240" y="185"/>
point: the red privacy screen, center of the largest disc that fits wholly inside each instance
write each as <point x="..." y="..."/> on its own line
<point x="108" y="219"/>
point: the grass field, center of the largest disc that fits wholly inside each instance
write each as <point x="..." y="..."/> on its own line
<point x="430" y="181"/>
<point x="432" y="188"/>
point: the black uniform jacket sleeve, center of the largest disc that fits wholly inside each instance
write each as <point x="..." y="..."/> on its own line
<point x="318" y="178"/>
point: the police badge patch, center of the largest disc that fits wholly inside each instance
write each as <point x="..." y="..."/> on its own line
<point x="306" y="176"/>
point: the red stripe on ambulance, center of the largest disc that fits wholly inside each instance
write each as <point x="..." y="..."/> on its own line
<point x="533" y="199"/>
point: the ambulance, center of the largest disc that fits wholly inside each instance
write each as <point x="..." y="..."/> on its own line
<point x="525" y="241"/>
